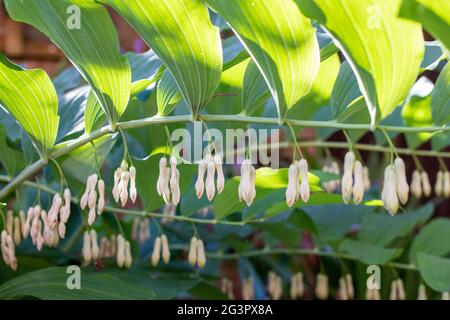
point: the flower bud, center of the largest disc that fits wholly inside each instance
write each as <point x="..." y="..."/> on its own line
<point x="438" y="187"/>
<point x="91" y="216"/>
<point x="101" y="196"/>
<point x="343" y="293"/>
<point x="366" y="179"/>
<point x="426" y="186"/>
<point x="220" y="176"/>
<point x="24" y="223"/>
<point x="358" y="186"/>
<point x="394" y="294"/>
<point x="321" y="289"/>
<point x="350" y="288"/>
<point x="120" y="251"/>
<point x="416" y="185"/>
<point x="192" y="256"/>
<point x="293" y="187"/>
<point x="124" y="179"/>
<point x="87" y="252"/>
<point x="251" y="192"/>
<point x="347" y="178"/>
<point x="244" y="180"/>
<point x="199" y="184"/>
<point x="209" y="183"/>
<point x="445" y="295"/>
<point x="175" y="186"/>
<point x="62" y="230"/>
<point x="166" y="189"/>
<point x="304" y="185"/>
<point x="389" y="192"/>
<point x="402" y="187"/>
<point x="293" y="288"/>
<point x="401" y="294"/>
<point x="446" y="188"/>
<point x="17" y="236"/>
<point x="115" y="190"/>
<point x="201" y="256"/>
<point x="92" y="199"/>
<point x="156" y="254"/>
<point x="165" y="249"/>
<point x="128" y="258"/>
<point x="133" y="191"/>
<point x="422" y="295"/>
<point x="94" y="245"/>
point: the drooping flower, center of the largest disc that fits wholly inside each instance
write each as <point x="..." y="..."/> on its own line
<point x="156" y="254"/>
<point x="304" y="185"/>
<point x="439" y="185"/>
<point x="165" y="249"/>
<point x="416" y="184"/>
<point x="347" y="177"/>
<point x="321" y="289"/>
<point x="247" y="190"/>
<point x="422" y="295"/>
<point x="358" y="184"/>
<point x="389" y="192"/>
<point x="293" y="188"/>
<point x="220" y="182"/>
<point x="401" y="182"/>
<point x="201" y="256"/>
<point x="426" y="186"/>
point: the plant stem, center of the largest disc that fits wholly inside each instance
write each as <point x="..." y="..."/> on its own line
<point x="66" y="147"/>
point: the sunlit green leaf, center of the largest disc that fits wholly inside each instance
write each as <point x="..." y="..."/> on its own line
<point x="280" y="40"/>
<point x="30" y="97"/>
<point x="440" y="98"/>
<point x="384" y="51"/>
<point x="182" y="35"/>
<point x="74" y="26"/>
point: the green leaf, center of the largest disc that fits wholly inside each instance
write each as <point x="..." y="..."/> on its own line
<point x="440" y="98"/>
<point x="435" y="271"/>
<point x="72" y="106"/>
<point x="345" y="90"/>
<point x="287" y="233"/>
<point x="267" y="181"/>
<point x="417" y="113"/>
<point x="182" y="35"/>
<point x="51" y="284"/>
<point x="335" y="220"/>
<point x="30" y="97"/>
<point x="434" y="16"/>
<point x="369" y="253"/>
<point x="433" y="239"/>
<point x="168" y="95"/>
<point x="380" y="229"/>
<point x="280" y="40"/>
<point x="12" y="160"/>
<point x="254" y="89"/>
<point x="93" y="47"/>
<point x="321" y="90"/>
<point x="384" y="51"/>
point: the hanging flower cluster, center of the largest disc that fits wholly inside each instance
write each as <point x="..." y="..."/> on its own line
<point x="140" y="231"/>
<point x="352" y="183"/>
<point x="210" y="165"/>
<point x="8" y="250"/>
<point x="226" y="286"/>
<point x="108" y="247"/>
<point x="123" y="254"/>
<point x="160" y="247"/>
<point x="321" y="290"/>
<point x="442" y="186"/>
<point x="168" y="184"/>
<point x="90" y="196"/>
<point x="196" y="255"/>
<point x="124" y="184"/>
<point x="248" y="292"/>
<point x="274" y="286"/>
<point x="297" y="286"/>
<point x="397" y="290"/>
<point x="373" y="294"/>
<point x="44" y="228"/>
<point x="296" y="189"/>
<point x="395" y="188"/>
<point x="346" y="289"/>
